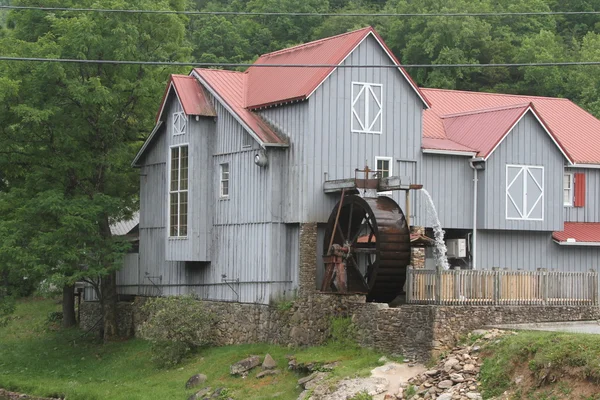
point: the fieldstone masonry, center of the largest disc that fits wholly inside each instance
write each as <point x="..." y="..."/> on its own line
<point x="307" y="280"/>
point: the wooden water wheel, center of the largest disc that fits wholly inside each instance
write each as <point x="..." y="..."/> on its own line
<point x="367" y="248"/>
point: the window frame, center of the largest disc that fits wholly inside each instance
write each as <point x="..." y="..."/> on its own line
<point x="221" y="180"/>
<point x="247" y="141"/>
<point x="178" y="191"/>
<point x="390" y="160"/>
<point x="362" y="87"/>
<point x="177" y="116"/>
<point x="508" y="197"/>
<point x="571" y="189"/>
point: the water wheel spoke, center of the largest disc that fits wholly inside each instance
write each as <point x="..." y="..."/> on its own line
<point x="367" y="250"/>
<point x="358" y="232"/>
<point x="350" y="219"/>
<point x="339" y="230"/>
<point x="354" y="265"/>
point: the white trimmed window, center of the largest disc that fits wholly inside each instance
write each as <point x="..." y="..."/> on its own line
<point x="224" y="177"/>
<point x="178" y="192"/>
<point x="383" y="165"/>
<point x="568" y="190"/>
<point x="524" y="192"/>
<point x="179" y="123"/>
<point x="367" y="107"/>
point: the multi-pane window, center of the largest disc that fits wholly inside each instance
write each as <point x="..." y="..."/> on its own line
<point x="383" y="165"/>
<point x="224" y="180"/>
<point x="367" y="109"/>
<point x="568" y="189"/>
<point x="179" y="123"/>
<point x="178" y="192"/>
<point x="524" y="192"/>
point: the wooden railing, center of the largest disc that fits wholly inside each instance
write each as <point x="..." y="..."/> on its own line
<point x="501" y="287"/>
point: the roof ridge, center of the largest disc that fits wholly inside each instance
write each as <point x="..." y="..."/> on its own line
<point x="217" y="70"/>
<point x="485" y="110"/>
<point x="313" y="43"/>
<point x="495" y="94"/>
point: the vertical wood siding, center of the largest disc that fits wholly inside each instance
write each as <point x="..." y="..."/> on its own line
<point x="196" y="246"/>
<point x="329" y="147"/>
<point x="291" y="120"/>
<point x="591" y="211"/>
<point x="449" y="180"/>
<point x="530" y="250"/>
<point x="526" y="144"/>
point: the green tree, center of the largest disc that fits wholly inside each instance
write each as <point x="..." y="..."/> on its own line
<point x="69" y="133"/>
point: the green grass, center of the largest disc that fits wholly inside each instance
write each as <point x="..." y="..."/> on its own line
<point x="547" y="355"/>
<point x="37" y="360"/>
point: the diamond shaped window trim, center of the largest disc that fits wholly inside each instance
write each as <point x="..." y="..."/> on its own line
<point x="179" y="123"/>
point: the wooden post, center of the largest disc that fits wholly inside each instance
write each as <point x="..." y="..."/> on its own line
<point x="438" y="286"/>
<point x="497" y="287"/>
<point x="409" y="284"/>
<point x="456" y="273"/>
<point x="407" y="206"/>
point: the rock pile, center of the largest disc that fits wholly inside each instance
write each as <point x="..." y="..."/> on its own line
<point x="455" y="376"/>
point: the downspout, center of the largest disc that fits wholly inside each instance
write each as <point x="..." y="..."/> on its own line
<point x="476" y="164"/>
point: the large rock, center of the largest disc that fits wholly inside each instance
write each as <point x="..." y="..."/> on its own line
<point x="446" y="384"/>
<point x="267" y="372"/>
<point x="195" y="380"/>
<point x="269" y="363"/>
<point x="244" y="365"/>
<point x="444" y="396"/>
<point x="200" y="394"/>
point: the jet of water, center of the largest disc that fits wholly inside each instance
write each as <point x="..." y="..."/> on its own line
<point x="438" y="233"/>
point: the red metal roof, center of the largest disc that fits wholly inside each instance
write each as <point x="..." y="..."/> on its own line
<point x="445" y="144"/>
<point x="575" y="130"/>
<point x="192" y="97"/>
<point x="482" y="129"/>
<point x="229" y="87"/>
<point x="585" y="232"/>
<point x="271" y="85"/>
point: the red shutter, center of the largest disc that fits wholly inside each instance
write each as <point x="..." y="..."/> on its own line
<point x="579" y="190"/>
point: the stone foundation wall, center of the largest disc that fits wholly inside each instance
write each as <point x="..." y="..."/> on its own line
<point x="421" y="332"/>
<point x="306" y="322"/>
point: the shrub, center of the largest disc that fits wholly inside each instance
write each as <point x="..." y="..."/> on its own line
<point x="343" y="332"/>
<point x="7" y="307"/>
<point x="362" y="396"/>
<point x="176" y="326"/>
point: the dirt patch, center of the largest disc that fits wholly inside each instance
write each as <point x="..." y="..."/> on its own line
<point x="5" y="394"/>
<point x="566" y="383"/>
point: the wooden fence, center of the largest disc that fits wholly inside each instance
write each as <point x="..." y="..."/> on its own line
<point x="501" y="287"/>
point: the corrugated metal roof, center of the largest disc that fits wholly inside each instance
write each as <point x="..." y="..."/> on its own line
<point x="229" y="87"/>
<point x="445" y="144"/>
<point x="124" y="227"/>
<point x="574" y="129"/>
<point x="483" y="129"/>
<point x="586" y="232"/>
<point x="191" y="95"/>
<point x="270" y="86"/>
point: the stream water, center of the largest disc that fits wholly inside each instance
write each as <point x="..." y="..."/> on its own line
<point x="438" y="232"/>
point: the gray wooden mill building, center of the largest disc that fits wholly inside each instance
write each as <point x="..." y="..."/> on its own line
<point x="242" y="175"/>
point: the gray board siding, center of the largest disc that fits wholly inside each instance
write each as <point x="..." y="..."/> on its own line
<point x="253" y="256"/>
<point x="531" y="250"/>
<point x="291" y="121"/>
<point x="329" y="147"/>
<point x="527" y="144"/>
<point x="449" y="180"/>
<point x="590" y="212"/>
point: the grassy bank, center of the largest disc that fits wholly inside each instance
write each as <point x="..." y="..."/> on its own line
<point x="543" y="365"/>
<point x="39" y="359"/>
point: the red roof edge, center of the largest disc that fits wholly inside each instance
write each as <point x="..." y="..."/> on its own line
<point x="274" y="103"/>
<point x="512" y="125"/>
<point x="164" y="98"/>
<point x="406" y="75"/>
<point x="554" y="137"/>
<point x="578" y="232"/>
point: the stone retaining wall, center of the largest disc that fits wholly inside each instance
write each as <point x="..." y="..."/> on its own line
<point x="305" y="322"/>
<point x="420" y="332"/>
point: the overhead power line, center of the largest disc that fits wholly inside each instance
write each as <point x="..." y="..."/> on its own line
<point x="304" y="14"/>
<point x="236" y="65"/>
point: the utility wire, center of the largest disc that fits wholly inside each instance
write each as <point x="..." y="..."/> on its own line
<point x="234" y="65"/>
<point x="305" y="14"/>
